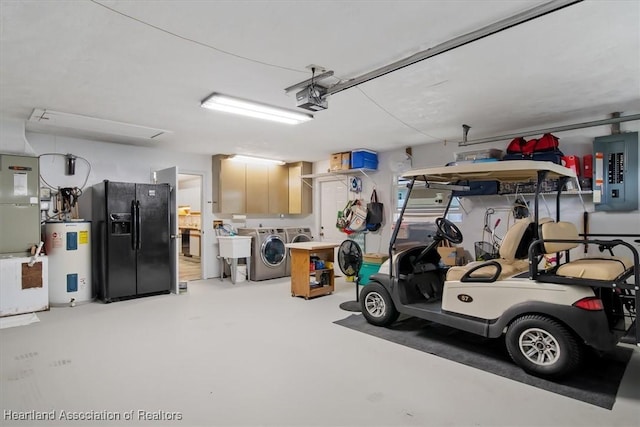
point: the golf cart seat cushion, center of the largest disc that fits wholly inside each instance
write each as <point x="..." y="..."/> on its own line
<point x="595" y="268"/>
<point x="560" y="230"/>
<point x="508" y="269"/>
<point x="508" y="249"/>
<point x="511" y="240"/>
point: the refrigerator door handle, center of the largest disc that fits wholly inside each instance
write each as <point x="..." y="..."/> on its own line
<point x="138" y="225"/>
<point x="134" y="223"/>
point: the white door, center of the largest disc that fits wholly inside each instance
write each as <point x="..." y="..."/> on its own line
<point x="170" y="176"/>
<point x="333" y="198"/>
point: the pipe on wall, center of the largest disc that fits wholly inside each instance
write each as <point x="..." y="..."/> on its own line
<point x="616" y="119"/>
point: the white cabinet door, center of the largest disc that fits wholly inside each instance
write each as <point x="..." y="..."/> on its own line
<point x="194" y="243"/>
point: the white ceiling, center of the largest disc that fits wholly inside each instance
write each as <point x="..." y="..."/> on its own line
<point x="580" y="63"/>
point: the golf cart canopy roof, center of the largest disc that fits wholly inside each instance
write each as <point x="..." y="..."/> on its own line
<point x="505" y="171"/>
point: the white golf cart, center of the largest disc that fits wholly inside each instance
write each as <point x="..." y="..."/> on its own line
<point x="547" y="315"/>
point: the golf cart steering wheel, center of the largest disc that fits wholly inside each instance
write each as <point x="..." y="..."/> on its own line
<point x="449" y="230"/>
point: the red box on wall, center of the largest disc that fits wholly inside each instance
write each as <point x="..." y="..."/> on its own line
<point x="572" y="162"/>
<point x="587" y="162"/>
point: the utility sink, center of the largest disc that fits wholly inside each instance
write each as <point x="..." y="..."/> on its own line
<point x="235" y="246"/>
<point x="232" y="248"/>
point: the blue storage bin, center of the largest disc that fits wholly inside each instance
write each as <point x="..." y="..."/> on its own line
<point x="367" y="270"/>
<point x="491" y="159"/>
<point x="364" y="159"/>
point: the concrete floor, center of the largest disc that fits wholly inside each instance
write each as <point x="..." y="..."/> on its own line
<point x="251" y="355"/>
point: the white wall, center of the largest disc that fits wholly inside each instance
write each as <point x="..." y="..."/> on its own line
<point x="189" y="194"/>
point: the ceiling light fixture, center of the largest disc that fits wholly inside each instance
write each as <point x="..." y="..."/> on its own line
<point x="257" y="110"/>
<point x="250" y="159"/>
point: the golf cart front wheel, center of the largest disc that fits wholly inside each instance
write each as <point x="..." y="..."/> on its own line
<point x="377" y="306"/>
<point x="542" y="346"/>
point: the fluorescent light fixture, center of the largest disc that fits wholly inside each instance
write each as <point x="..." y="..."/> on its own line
<point x="59" y="119"/>
<point x="257" y="110"/>
<point x="249" y="159"/>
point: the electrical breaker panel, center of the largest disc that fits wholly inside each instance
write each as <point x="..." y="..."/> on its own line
<point x="615" y="172"/>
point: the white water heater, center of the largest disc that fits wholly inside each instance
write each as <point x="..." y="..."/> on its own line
<point x="68" y="245"/>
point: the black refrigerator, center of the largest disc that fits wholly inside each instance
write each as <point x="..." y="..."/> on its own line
<point x="132" y="247"/>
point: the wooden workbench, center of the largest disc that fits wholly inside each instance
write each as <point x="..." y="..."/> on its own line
<point x="306" y="282"/>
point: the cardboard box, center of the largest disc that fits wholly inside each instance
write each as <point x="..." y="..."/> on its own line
<point x="335" y="162"/>
<point x="451" y="256"/>
<point x="346" y="161"/>
<point x="375" y="258"/>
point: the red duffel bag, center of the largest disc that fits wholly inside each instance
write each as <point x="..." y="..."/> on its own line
<point x="547" y="142"/>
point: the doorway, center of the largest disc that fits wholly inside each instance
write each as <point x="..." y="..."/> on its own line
<point x="333" y="197"/>
<point x="190" y="226"/>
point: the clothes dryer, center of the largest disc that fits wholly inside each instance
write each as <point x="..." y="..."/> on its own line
<point x="295" y="235"/>
<point x="268" y="253"/>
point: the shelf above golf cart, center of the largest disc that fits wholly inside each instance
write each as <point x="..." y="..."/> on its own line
<point x="528" y="193"/>
<point x="518" y="171"/>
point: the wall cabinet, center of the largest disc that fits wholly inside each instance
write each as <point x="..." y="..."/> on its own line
<point x="267" y="189"/>
<point x="257" y="191"/>
<point x="300" y="196"/>
<point x="278" y="189"/>
<point x="249" y="188"/>
<point x="229" y="185"/>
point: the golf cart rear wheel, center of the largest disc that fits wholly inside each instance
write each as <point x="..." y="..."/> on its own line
<point x="377" y="306"/>
<point x="542" y="346"/>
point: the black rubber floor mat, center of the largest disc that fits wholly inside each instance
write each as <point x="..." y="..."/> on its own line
<point x="596" y="383"/>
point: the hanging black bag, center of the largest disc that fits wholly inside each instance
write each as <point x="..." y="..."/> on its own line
<point x="375" y="213"/>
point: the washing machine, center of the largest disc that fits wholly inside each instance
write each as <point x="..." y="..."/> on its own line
<point x="268" y="254"/>
<point x="295" y="235"/>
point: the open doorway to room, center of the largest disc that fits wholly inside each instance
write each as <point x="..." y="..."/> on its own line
<point x="190" y="226"/>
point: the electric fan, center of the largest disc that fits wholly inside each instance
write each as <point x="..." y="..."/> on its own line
<point x="350" y="262"/>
